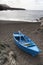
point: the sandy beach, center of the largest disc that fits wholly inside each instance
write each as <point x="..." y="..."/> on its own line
<point x="30" y="29"/>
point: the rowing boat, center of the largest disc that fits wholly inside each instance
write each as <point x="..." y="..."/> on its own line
<point x="25" y="43"/>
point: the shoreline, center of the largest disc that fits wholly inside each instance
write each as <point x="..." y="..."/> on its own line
<point x="18" y="21"/>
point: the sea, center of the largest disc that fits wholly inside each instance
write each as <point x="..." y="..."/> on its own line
<point x="29" y="15"/>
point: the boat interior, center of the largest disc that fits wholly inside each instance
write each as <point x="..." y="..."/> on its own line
<point x="24" y="42"/>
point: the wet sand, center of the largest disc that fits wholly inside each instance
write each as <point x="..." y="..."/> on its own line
<point x="30" y="29"/>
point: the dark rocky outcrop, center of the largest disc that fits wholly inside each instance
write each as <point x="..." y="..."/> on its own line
<point x="6" y="7"/>
<point x="41" y="18"/>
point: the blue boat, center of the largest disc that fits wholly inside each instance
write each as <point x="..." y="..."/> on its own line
<point x="25" y="43"/>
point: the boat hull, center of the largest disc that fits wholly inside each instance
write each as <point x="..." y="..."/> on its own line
<point x="27" y="50"/>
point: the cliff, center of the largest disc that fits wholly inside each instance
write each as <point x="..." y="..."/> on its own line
<point x="6" y="7"/>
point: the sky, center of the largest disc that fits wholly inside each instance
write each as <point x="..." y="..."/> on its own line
<point x="27" y="4"/>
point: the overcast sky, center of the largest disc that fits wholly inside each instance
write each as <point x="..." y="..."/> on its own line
<point x="28" y="4"/>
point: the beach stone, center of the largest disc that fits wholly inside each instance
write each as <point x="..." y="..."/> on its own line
<point x="12" y="60"/>
<point x="3" y="59"/>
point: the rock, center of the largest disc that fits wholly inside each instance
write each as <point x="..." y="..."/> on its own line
<point x="6" y="55"/>
<point x="41" y="20"/>
<point x="6" y="7"/>
<point x="11" y="60"/>
<point x="3" y="59"/>
<point x="2" y="45"/>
